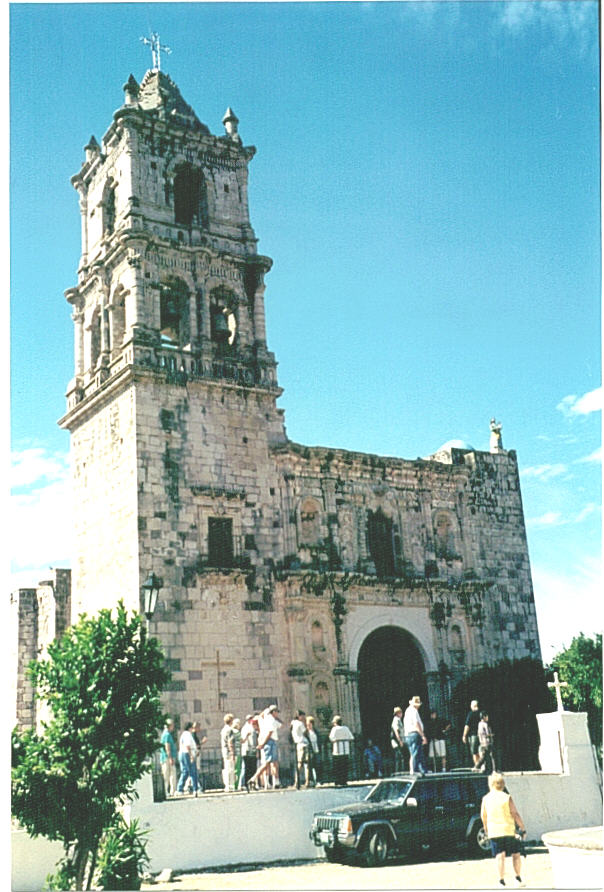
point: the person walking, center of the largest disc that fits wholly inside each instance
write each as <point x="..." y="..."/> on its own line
<point x="167" y="758"/>
<point x="187" y="756"/>
<point x="236" y="726"/>
<point x="485" y="746"/>
<point x="397" y="735"/>
<point x="301" y="746"/>
<point x="314" y="751"/>
<point x="470" y="730"/>
<point x="436" y="728"/>
<point x="340" y="736"/>
<point x="228" y="753"/>
<point x="500" y="818"/>
<point x="415" y="737"/>
<point x="249" y="752"/>
<point x="270" y="723"/>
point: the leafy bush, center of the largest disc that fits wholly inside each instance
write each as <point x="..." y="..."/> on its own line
<point x="122" y="856"/>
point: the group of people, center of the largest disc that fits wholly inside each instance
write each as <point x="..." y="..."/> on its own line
<point x="184" y="757"/>
<point x="408" y="730"/>
<point x="427" y="740"/>
<point x="250" y="754"/>
<point x="250" y="751"/>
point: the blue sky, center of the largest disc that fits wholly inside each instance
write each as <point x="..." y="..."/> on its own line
<point x="427" y="183"/>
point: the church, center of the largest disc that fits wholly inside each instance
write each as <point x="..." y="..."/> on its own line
<point x="314" y="578"/>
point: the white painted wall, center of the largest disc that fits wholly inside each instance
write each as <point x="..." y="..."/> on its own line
<point x="241" y="828"/>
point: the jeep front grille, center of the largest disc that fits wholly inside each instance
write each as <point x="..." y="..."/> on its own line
<point x="326" y="823"/>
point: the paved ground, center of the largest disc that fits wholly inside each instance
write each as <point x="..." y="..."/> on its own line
<point x="451" y="873"/>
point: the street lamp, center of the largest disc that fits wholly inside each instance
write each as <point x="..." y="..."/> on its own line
<point x="151" y="588"/>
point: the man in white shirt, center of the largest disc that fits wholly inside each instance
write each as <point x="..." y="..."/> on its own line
<point x="300" y="739"/>
<point x="415" y="737"/>
<point x="397" y="735"/>
<point x="340" y="737"/>
<point x="187" y="756"/>
<point x="269" y="734"/>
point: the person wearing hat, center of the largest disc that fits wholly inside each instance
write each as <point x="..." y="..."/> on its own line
<point x="415" y="737"/>
<point x="397" y="735"/>
<point x="340" y="737"/>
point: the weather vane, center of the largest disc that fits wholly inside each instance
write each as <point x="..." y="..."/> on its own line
<point x="156" y="48"/>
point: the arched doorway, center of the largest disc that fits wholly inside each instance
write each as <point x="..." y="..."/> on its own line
<point x="391" y="671"/>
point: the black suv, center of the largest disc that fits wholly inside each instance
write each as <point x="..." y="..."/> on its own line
<point x="404" y="813"/>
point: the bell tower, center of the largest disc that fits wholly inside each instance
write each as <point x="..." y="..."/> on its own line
<point x="172" y="408"/>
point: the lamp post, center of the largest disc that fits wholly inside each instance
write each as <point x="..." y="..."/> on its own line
<point x="151" y="588"/>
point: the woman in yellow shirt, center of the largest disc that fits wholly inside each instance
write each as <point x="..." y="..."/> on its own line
<point x="500" y="818"/>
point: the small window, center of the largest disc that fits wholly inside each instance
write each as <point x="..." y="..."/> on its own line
<point x="380" y="536"/>
<point x="424" y="793"/>
<point x="226" y="187"/>
<point x="450" y="791"/>
<point x="220" y="542"/>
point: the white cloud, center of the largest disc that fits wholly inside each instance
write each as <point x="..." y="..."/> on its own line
<point x="562" y="18"/>
<point x="33" y="465"/>
<point x="555" y="518"/>
<point x="567" y="604"/>
<point x="595" y="456"/>
<point x="40" y="523"/>
<point x="587" y="511"/>
<point x="573" y="405"/>
<point x="544" y="472"/>
<point x="550" y="518"/>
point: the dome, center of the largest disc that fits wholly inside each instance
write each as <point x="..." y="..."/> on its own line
<point x="455" y="444"/>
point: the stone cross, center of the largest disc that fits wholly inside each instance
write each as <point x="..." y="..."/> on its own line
<point x="156" y="48"/>
<point x="218" y="665"/>
<point x="557" y="684"/>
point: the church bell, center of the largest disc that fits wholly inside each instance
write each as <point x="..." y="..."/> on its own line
<point x="221" y="327"/>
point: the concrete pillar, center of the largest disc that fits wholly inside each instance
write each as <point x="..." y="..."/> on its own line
<point x="565" y="744"/>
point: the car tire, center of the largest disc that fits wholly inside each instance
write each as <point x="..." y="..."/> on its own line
<point x="479" y="841"/>
<point x="378" y="849"/>
<point x="332" y="855"/>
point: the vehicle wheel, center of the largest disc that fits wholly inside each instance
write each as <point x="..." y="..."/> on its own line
<point x="332" y="855"/>
<point x="479" y="841"/>
<point x="377" y="849"/>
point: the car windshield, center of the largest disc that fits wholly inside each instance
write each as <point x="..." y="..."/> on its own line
<point x="388" y="791"/>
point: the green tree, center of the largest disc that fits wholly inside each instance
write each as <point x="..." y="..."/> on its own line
<point x="580" y="666"/>
<point x="102" y="681"/>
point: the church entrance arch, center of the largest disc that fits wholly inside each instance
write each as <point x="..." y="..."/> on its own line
<point x="391" y="671"/>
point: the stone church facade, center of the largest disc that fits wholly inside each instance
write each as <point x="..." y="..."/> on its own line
<point x="318" y="578"/>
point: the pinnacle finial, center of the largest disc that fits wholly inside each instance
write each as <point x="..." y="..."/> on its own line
<point x="131" y="89"/>
<point x="92" y="148"/>
<point x="230" y="121"/>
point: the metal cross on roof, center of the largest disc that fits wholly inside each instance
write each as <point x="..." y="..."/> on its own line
<point x="557" y="684"/>
<point x="156" y="48"/>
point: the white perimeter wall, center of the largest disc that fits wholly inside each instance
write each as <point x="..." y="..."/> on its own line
<point x="239" y="828"/>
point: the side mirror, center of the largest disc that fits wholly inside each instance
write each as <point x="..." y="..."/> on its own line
<point x="411" y="802"/>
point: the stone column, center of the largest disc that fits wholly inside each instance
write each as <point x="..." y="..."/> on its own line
<point x="84" y="221"/>
<point x="78" y="332"/>
<point x="347" y="697"/>
<point x="433" y="682"/>
<point x="259" y="315"/>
